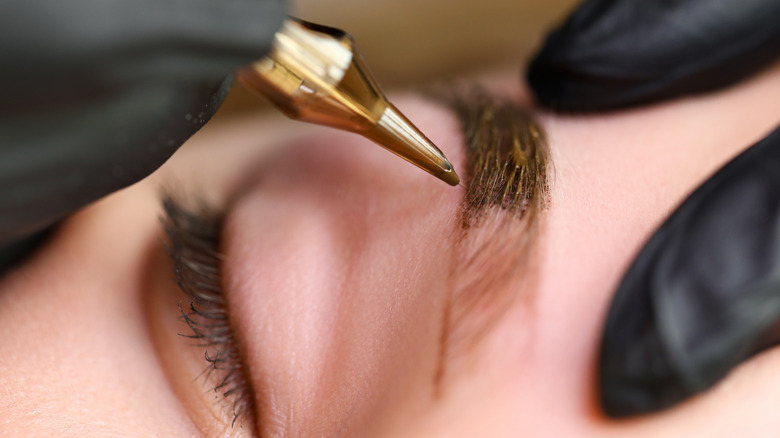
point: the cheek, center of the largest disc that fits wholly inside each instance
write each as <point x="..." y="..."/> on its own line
<point x="336" y="275"/>
<point x="77" y="356"/>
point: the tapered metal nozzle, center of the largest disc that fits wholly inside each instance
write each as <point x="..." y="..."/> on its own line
<point x="316" y="74"/>
<point x="396" y="133"/>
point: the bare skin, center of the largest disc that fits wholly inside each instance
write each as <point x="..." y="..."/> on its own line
<point x="336" y="277"/>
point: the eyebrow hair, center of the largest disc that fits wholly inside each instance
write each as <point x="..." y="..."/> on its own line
<point x="506" y="175"/>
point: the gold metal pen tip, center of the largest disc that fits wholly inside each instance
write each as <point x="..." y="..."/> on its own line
<point x="450" y="177"/>
<point x="397" y="134"/>
<point x="316" y="74"/>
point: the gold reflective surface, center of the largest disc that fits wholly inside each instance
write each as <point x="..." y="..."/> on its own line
<point x="315" y="74"/>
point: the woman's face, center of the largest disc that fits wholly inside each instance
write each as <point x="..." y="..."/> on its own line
<point x="338" y="268"/>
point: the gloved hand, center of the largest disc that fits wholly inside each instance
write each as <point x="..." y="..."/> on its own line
<point x="616" y="53"/>
<point x="97" y="94"/>
<point x="704" y="293"/>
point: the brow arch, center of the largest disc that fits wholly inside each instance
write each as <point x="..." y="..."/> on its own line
<point x="507" y="177"/>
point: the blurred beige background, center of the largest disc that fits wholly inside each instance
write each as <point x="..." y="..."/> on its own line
<point x="407" y="42"/>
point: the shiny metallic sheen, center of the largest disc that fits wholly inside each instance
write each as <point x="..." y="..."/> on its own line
<point x="315" y="74"/>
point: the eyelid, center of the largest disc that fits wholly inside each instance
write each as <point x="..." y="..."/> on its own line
<point x="193" y="242"/>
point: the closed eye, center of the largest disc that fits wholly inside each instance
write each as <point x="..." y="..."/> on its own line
<point x="193" y="245"/>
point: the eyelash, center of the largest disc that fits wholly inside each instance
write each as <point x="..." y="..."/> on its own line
<point x="193" y="242"/>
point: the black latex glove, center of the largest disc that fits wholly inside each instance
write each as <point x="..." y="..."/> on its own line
<point x="97" y="94"/>
<point x="616" y="53"/>
<point x="704" y="293"/>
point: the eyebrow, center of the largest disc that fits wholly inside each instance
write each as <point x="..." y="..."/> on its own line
<point x="506" y="175"/>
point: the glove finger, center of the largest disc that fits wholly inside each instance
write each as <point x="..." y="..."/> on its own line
<point x="616" y="53"/>
<point x="102" y="92"/>
<point x="85" y="48"/>
<point x="90" y="151"/>
<point x="704" y="293"/>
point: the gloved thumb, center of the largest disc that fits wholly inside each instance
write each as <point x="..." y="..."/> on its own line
<point x="617" y="53"/>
